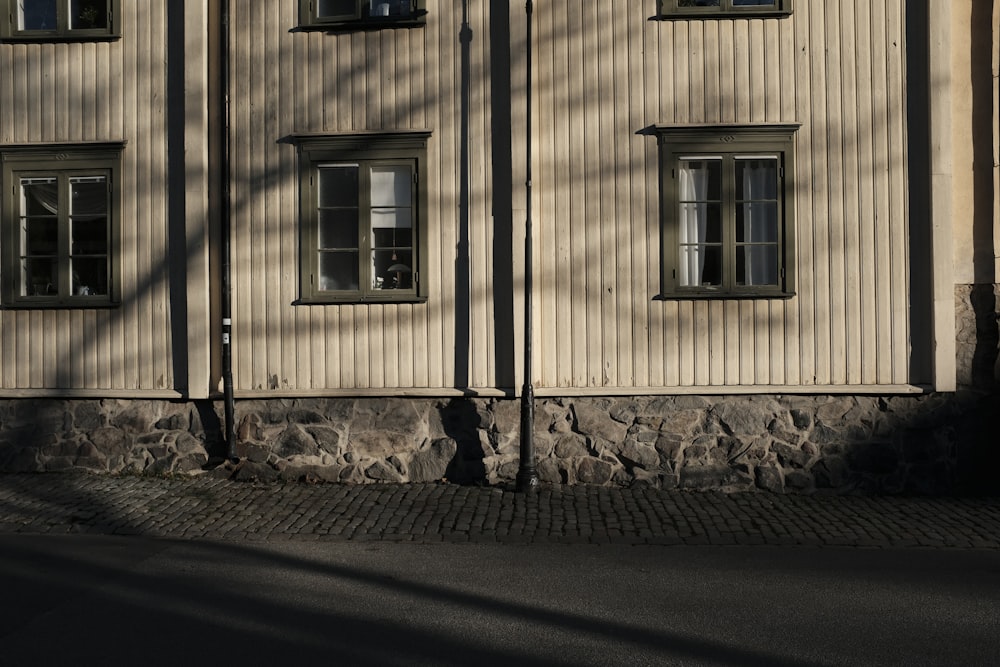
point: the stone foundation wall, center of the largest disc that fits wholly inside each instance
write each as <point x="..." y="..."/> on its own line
<point x="801" y="444"/>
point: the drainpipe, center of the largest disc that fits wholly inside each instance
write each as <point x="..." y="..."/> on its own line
<point x="527" y="475"/>
<point x="226" y="286"/>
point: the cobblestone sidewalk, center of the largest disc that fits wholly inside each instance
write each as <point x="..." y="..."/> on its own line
<point x="205" y="507"/>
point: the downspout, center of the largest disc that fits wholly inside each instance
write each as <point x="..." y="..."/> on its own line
<point x="527" y="475"/>
<point x="226" y="210"/>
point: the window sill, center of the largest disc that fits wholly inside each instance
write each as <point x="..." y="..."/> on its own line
<point x="363" y="25"/>
<point x="60" y="304"/>
<point x="722" y="296"/>
<point x="58" y="39"/>
<point x="358" y="300"/>
<point x="715" y="15"/>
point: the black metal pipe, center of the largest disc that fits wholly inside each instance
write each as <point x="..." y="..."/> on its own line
<point x="226" y="211"/>
<point x="527" y="474"/>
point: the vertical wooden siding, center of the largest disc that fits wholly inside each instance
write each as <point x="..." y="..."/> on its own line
<point x="106" y="91"/>
<point x="286" y="82"/>
<point x="604" y="73"/>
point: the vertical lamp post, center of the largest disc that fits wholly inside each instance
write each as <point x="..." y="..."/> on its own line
<point x="527" y="475"/>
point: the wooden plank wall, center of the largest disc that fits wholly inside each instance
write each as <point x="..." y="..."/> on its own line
<point x="605" y="72"/>
<point x="287" y="82"/>
<point x="600" y="75"/>
<point x="103" y="91"/>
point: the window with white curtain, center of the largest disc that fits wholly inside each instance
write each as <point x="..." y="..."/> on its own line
<point x="59" y="19"/>
<point x="60" y="226"/>
<point x="726" y="210"/>
<point x="352" y="14"/>
<point x="363" y="215"/>
<point x="721" y="8"/>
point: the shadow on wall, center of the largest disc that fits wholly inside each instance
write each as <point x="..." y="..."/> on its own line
<point x="463" y="423"/>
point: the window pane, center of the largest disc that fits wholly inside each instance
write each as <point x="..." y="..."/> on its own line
<point x="757" y="223"/>
<point x="700" y="223"/>
<point x="90" y="276"/>
<point x="391" y="218"/>
<point x="753" y="3"/>
<point x="338" y="186"/>
<point x="756" y="179"/>
<point x="390" y="7"/>
<point x="334" y="8"/>
<point x="39" y="196"/>
<point x="90" y="236"/>
<point x="338" y="229"/>
<point x="36" y="15"/>
<point x="699" y="3"/>
<point x="700" y="266"/>
<point x="88" y="14"/>
<point x="338" y="270"/>
<point x="393" y="238"/>
<point x="757" y="265"/>
<point x="700" y="180"/>
<point x="391" y="185"/>
<point x="39" y="276"/>
<point x="40" y="236"/>
<point x="393" y="269"/>
<point x="89" y="195"/>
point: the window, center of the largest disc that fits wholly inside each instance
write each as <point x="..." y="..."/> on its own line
<point x="727" y="216"/>
<point x="719" y="8"/>
<point x="363" y="214"/>
<point x="350" y="14"/>
<point x="60" y="225"/>
<point x="52" y="20"/>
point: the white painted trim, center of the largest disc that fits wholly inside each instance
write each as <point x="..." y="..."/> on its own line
<point x="943" y="290"/>
<point x="136" y="394"/>
<point x="196" y="233"/>
<point x="549" y="392"/>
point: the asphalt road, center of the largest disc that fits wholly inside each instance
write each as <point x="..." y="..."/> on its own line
<point x="100" y="600"/>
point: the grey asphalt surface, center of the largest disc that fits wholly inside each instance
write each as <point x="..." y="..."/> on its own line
<point x="155" y="571"/>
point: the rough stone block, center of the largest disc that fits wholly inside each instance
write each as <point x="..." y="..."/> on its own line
<point x="590" y="470"/>
<point x="293" y="441"/>
<point x="716" y="476"/>
<point x="830" y="473"/>
<point x="381" y="471"/>
<point x="431" y="463"/>
<point x="790" y="456"/>
<point x="570" y="446"/>
<point x="327" y="439"/>
<point x="769" y="478"/>
<point x="798" y="480"/>
<point x="592" y="420"/>
<point x="743" y="417"/>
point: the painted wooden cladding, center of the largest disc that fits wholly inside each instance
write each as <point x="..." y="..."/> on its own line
<point x="600" y="75"/>
<point x="603" y="73"/>
<point x="285" y="82"/>
<point x="98" y="91"/>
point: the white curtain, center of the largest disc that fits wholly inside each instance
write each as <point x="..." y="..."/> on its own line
<point x="44" y="191"/>
<point x="89" y="194"/>
<point x="759" y="225"/>
<point x="693" y="221"/>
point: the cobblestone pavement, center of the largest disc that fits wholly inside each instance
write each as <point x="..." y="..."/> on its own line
<point x="206" y="507"/>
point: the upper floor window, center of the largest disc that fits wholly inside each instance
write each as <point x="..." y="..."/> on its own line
<point x="60" y="225"/>
<point x="726" y="210"/>
<point x="351" y="14"/>
<point x="59" y="19"/>
<point x="363" y="217"/>
<point x="721" y="8"/>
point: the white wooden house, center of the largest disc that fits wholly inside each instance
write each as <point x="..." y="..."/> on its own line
<point x="313" y="212"/>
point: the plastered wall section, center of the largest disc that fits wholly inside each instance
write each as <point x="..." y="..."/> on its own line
<point x="975" y="62"/>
